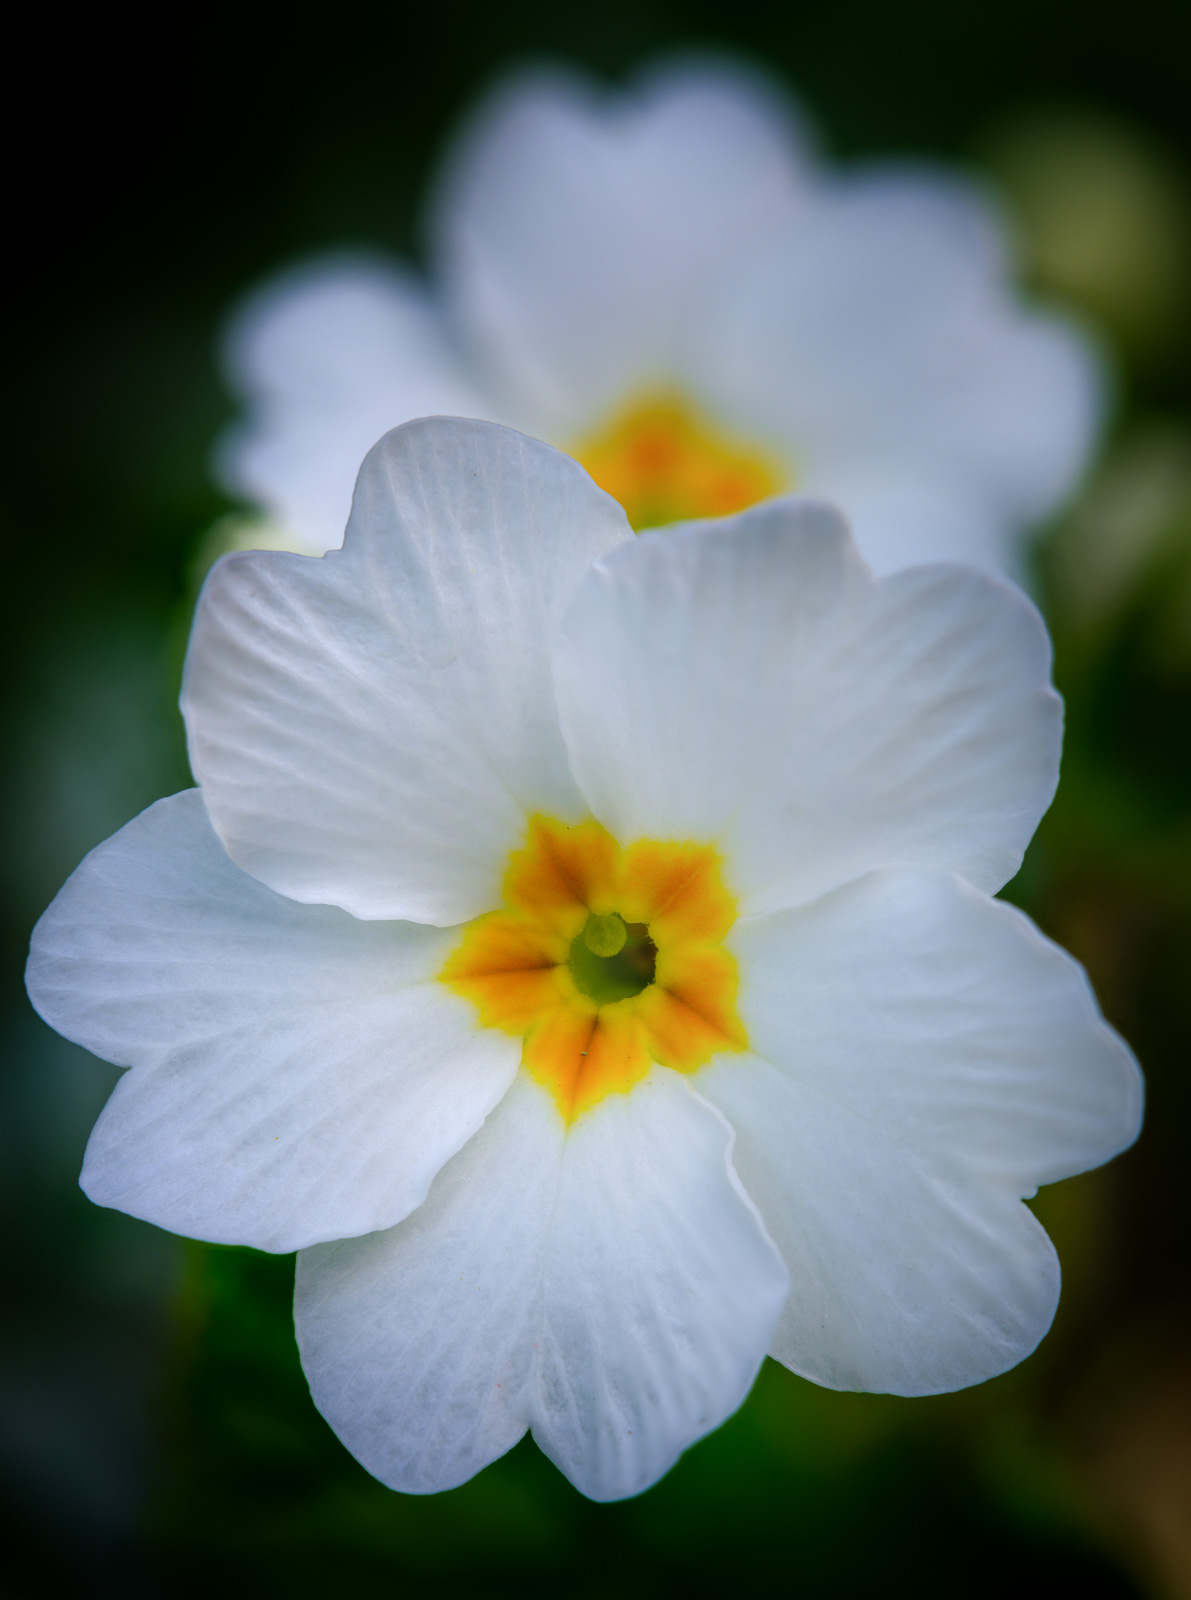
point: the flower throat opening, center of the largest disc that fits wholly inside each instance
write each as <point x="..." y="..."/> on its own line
<point x="604" y="960"/>
<point x="612" y="959"/>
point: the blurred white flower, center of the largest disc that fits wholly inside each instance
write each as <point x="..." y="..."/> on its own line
<point x="581" y="950"/>
<point x="664" y="283"/>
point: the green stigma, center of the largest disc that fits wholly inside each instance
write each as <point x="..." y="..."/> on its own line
<point x="612" y="960"/>
<point x="605" y="936"/>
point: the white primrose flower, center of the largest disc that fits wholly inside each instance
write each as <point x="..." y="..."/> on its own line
<point x="663" y="282"/>
<point x="579" y="948"/>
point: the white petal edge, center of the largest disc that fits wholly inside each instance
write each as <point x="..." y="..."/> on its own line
<point x="372" y="729"/>
<point x="923" y="1059"/>
<point x="901" y="1282"/>
<point x="610" y="1287"/>
<point x="328" y="357"/>
<point x="746" y="683"/>
<point x="882" y="337"/>
<point x="296" y="1075"/>
<point x="947" y="1020"/>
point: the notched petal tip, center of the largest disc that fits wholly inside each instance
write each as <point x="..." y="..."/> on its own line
<point x="370" y="730"/>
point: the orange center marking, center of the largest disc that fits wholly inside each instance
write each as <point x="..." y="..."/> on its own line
<point x="592" y="1026"/>
<point x="664" y="463"/>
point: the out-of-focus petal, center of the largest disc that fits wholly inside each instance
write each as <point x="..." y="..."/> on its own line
<point x="747" y="684"/>
<point x="882" y="337"/>
<point x="372" y="730"/>
<point x="327" y="359"/>
<point x="297" y="1075"/>
<point x="900" y="518"/>
<point x="581" y="232"/>
<point x="609" y="1287"/>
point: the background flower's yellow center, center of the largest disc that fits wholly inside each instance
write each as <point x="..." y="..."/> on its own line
<point x="604" y="960"/>
<point x="665" y="463"/>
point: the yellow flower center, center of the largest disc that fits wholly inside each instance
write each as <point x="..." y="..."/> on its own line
<point x="666" y="463"/>
<point x="604" y="960"/>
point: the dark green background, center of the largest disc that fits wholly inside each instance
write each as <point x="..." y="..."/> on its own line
<point x="156" y="1437"/>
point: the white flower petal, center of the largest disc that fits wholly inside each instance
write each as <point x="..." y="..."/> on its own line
<point x="882" y="336"/>
<point x="946" y="1019"/>
<point x="923" y="1058"/>
<point x="370" y="730"/>
<point x="610" y="1287"/>
<point x="329" y="358"/>
<point x="581" y="232"/>
<point x="746" y="683"/>
<point x="296" y="1075"/>
<point x="903" y="1281"/>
